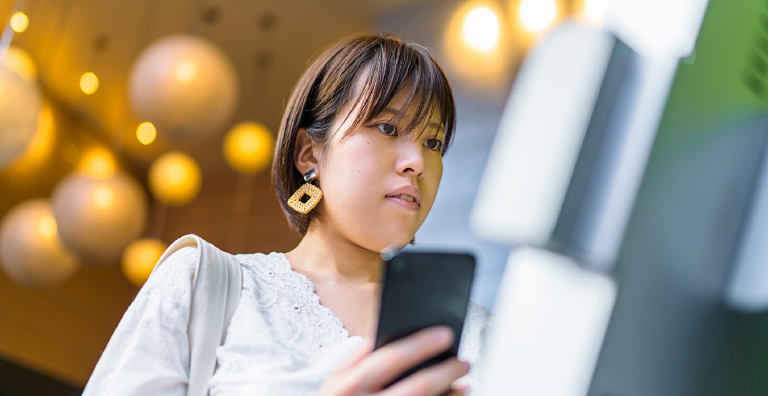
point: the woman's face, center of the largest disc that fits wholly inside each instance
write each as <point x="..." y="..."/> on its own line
<point x="379" y="185"/>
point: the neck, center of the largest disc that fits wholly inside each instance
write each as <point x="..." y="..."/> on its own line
<point x="325" y="251"/>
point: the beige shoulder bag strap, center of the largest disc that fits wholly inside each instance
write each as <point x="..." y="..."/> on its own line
<point x="216" y="290"/>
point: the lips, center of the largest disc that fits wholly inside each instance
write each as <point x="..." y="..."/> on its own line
<point x="408" y="197"/>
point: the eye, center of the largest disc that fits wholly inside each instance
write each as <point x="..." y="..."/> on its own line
<point x="434" y="144"/>
<point x="387" y="129"/>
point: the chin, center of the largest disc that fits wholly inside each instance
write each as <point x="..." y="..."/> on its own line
<point x="398" y="244"/>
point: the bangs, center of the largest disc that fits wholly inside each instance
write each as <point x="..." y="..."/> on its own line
<point x="394" y="68"/>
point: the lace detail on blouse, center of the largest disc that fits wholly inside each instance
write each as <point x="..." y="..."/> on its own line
<point x="281" y="339"/>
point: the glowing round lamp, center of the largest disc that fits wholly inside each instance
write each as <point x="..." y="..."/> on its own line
<point x="139" y="259"/>
<point x="98" y="218"/>
<point x="98" y="162"/>
<point x="481" y="29"/>
<point x="537" y="15"/>
<point x="31" y="253"/>
<point x="248" y="147"/>
<point x="20" y="105"/>
<point x="89" y="83"/>
<point x="146" y="133"/>
<point x="19" y="22"/>
<point x="39" y="149"/>
<point x="175" y="178"/>
<point x="184" y="85"/>
<point x="19" y="61"/>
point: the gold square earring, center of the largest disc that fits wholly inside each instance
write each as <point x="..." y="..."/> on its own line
<point x="296" y="201"/>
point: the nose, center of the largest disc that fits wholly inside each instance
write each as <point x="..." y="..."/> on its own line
<point x="410" y="159"/>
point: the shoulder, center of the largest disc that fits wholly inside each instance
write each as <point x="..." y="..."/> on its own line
<point x="169" y="287"/>
<point x="264" y="265"/>
<point x="179" y="266"/>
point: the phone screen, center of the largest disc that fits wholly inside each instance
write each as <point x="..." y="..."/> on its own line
<point x="422" y="290"/>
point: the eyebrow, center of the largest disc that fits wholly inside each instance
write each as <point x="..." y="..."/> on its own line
<point x="433" y="124"/>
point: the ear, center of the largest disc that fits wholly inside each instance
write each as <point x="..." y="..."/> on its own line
<point x="304" y="157"/>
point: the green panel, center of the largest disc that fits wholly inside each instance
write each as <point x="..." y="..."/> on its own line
<point x="726" y="77"/>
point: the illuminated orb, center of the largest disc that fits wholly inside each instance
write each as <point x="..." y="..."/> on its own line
<point x="248" y="147"/>
<point x="594" y="10"/>
<point x="479" y="47"/>
<point x="31" y="252"/>
<point x="20" y="105"/>
<point x="146" y="133"/>
<point x="98" y="162"/>
<point x="89" y="83"/>
<point x="537" y="15"/>
<point x="175" y="178"/>
<point x="19" y="22"/>
<point x="139" y="259"/>
<point x="97" y="218"/>
<point x="38" y="151"/>
<point x="19" y="61"/>
<point x="481" y="29"/>
<point x="184" y="85"/>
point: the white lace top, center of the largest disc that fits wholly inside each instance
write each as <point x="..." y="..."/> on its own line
<point x="281" y="339"/>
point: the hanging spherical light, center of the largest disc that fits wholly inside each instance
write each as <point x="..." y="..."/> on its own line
<point x="31" y="253"/>
<point x="20" y="104"/>
<point x="248" y="147"/>
<point x="97" y="218"/>
<point x="184" y="85"/>
<point x="175" y="178"/>
<point x="19" y="61"/>
<point x="139" y="259"/>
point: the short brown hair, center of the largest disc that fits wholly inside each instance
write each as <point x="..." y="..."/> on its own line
<point x="329" y="84"/>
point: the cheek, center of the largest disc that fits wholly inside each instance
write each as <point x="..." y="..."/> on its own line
<point x="354" y="174"/>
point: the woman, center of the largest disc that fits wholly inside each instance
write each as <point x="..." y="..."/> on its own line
<point x="367" y="124"/>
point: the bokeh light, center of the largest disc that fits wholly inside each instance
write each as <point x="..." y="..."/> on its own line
<point x="186" y="86"/>
<point x="19" y="61"/>
<point x="248" y="147"/>
<point x="140" y="257"/>
<point x="98" y="162"/>
<point x="479" y="46"/>
<point x="19" y="22"/>
<point x="146" y="133"/>
<point x="185" y="71"/>
<point x="103" y="197"/>
<point x="39" y="149"/>
<point x="481" y="29"/>
<point x="594" y="10"/>
<point x="537" y="15"/>
<point x="98" y="218"/>
<point x="20" y="105"/>
<point x="89" y="83"/>
<point x="175" y="178"/>
<point x="46" y="226"/>
<point x="31" y="252"/>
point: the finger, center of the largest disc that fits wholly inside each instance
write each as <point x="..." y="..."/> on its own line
<point x="388" y="362"/>
<point x="356" y="356"/>
<point x="456" y="392"/>
<point x="434" y="380"/>
<point x="458" y="389"/>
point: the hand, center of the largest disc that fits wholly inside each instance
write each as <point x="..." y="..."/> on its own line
<point x="368" y="371"/>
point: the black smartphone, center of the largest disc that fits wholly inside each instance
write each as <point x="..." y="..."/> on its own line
<point x="423" y="290"/>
